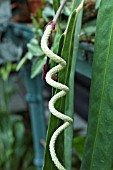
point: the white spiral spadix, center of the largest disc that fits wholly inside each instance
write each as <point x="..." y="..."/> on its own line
<point x="63" y="91"/>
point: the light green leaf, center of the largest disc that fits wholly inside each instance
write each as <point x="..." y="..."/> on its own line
<point x="21" y="63"/>
<point x="70" y="97"/>
<point x="66" y="11"/>
<point x="97" y="4"/>
<point x="34" y="49"/>
<point x="37" y="66"/>
<point x="48" y="11"/>
<point x="56" y="41"/>
<point x="28" y="56"/>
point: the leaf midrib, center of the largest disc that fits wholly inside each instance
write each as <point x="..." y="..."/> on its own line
<point x="98" y="123"/>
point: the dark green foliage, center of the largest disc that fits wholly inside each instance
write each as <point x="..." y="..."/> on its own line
<point x="98" y="154"/>
<point x="78" y="143"/>
<point x="56" y="5"/>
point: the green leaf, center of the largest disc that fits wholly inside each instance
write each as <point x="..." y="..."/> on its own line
<point x="70" y="97"/>
<point x="28" y="55"/>
<point x="37" y="66"/>
<point x="34" y="49"/>
<point x="56" y="45"/>
<point x="78" y="144"/>
<point x="56" y="5"/>
<point x="56" y="41"/>
<point x="66" y="11"/>
<point x="48" y="11"/>
<point x="97" y="4"/>
<point x="63" y="78"/>
<point x="98" y="154"/>
<point x="21" y="63"/>
<point x="6" y="70"/>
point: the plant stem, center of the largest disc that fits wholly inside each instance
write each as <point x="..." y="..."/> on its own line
<point x="59" y="11"/>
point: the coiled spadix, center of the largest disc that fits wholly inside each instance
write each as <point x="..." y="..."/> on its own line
<point x="61" y="64"/>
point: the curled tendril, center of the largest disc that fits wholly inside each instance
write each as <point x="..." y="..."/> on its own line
<point x="63" y="91"/>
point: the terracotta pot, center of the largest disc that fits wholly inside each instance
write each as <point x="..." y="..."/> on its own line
<point x="34" y="5"/>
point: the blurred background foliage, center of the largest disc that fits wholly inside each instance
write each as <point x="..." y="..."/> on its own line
<point x="15" y="136"/>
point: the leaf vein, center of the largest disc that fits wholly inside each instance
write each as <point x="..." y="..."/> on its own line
<point x="104" y="82"/>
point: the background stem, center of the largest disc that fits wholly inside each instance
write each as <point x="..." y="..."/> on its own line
<point x="59" y="11"/>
